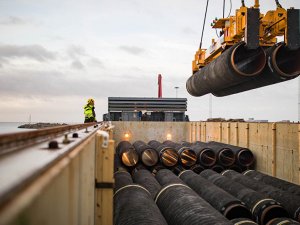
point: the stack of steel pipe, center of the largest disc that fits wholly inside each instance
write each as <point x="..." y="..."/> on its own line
<point x="181" y="205"/>
<point x="261" y="205"/>
<point x="205" y="155"/>
<point x="147" y="154"/>
<point x="243" y="156"/>
<point x="225" y="203"/>
<point x="273" y="181"/>
<point x="187" y="155"/>
<point x="133" y="204"/>
<point x="168" y="156"/>
<point x="242" y="221"/>
<point x="289" y="201"/>
<point x="234" y="66"/>
<point x="127" y="154"/>
<point x="283" y="65"/>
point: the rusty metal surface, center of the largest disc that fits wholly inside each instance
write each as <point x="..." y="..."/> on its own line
<point x="14" y="141"/>
<point x="19" y="168"/>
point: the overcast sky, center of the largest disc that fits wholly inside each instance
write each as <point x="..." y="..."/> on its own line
<point x="54" y="54"/>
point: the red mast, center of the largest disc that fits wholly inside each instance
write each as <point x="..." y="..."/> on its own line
<point x="159" y="86"/>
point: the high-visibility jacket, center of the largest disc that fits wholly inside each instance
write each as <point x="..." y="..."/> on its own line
<point x="89" y="112"/>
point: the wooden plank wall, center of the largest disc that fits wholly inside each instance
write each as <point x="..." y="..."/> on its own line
<point x="275" y="145"/>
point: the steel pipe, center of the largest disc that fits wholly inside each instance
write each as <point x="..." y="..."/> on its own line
<point x="242" y="221"/>
<point x="283" y="65"/>
<point x="165" y="177"/>
<point x="127" y="153"/>
<point x="181" y="205"/>
<point x="235" y="65"/>
<point x="282" y="221"/>
<point x="244" y="157"/>
<point x="217" y="168"/>
<point x="225" y="156"/>
<point x="225" y="203"/>
<point x="167" y="155"/>
<point x="187" y="155"/>
<point x="289" y="201"/>
<point x="147" y="180"/>
<point x="133" y="204"/>
<point x="197" y="168"/>
<point x="147" y="154"/>
<point x="273" y="181"/>
<point x="263" y="208"/>
<point x="205" y="155"/>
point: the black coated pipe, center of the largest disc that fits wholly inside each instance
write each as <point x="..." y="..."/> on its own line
<point x="243" y="156"/>
<point x="242" y="221"/>
<point x="225" y="156"/>
<point x="217" y="168"/>
<point x="197" y="168"/>
<point x="283" y="221"/>
<point x="237" y="168"/>
<point x="235" y="65"/>
<point x="165" y="177"/>
<point x="289" y="201"/>
<point x="147" y="180"/>
<point x="263" y="208"/>
<point x="225" y="203"/>
<point x="273" y="181"/>
<point x="167" y="155"/>
<point x="122" y="179"/>
<point x="133" y="204"/>
<point x="181" y="205"/>
<point x="157" y="168"/>
<point x="118" y="165"/>
<point x="187" y="156"/>
<point x="283" y="65"/>
<point x="178" y="169"/>
<point x="206" y="156"/>
<point x="147" y="154"/>
<point x="127" y="153"/>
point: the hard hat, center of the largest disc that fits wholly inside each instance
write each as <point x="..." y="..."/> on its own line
<point x="90" y="101"/>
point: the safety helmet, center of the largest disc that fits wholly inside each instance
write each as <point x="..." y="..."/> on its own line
<point x="90" y="101"/>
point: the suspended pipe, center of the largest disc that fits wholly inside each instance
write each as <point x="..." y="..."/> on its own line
<point x="147" y="154"/>
<point x="244" y="157"/>
<point x="283" y="221"/>
<point x="225" y="203"/>
<point x="147" y="180"/>
<point x="206" y="156"/>
<point x="133" y="203"/>
<point x="273" y="181"/>
<point x="187" y="156"/>
<point x="235" y="65"/>
<point x="167" y="155"/>
<point x="263" y="208"/>
<point x="282" y="65"/>
<point x="289" y="201"/>
<point x="225" y="156"/>
<point x="127" y="153"/>
<point x="242" y="221"/>
<point x="181" y="205"/>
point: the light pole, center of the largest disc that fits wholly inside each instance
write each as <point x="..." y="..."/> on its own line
<point x="176" y="88"/>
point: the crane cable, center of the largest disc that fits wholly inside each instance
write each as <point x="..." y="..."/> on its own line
<point x="203" y="24"/>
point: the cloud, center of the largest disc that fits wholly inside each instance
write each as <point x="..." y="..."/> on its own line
<point x="188" y="30"/>
<point x="36" y="52"/>
<point x="96" y="62"/>
<point x="132" y="49"/>
<point x="77" y="64"/>
<point x="75" y="51"/>
<point x="12" y="20"/>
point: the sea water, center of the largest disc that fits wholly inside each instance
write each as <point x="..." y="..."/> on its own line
<point x="11" y="127"/>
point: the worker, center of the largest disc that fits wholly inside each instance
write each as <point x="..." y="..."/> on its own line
<point x="89" y="111"/>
